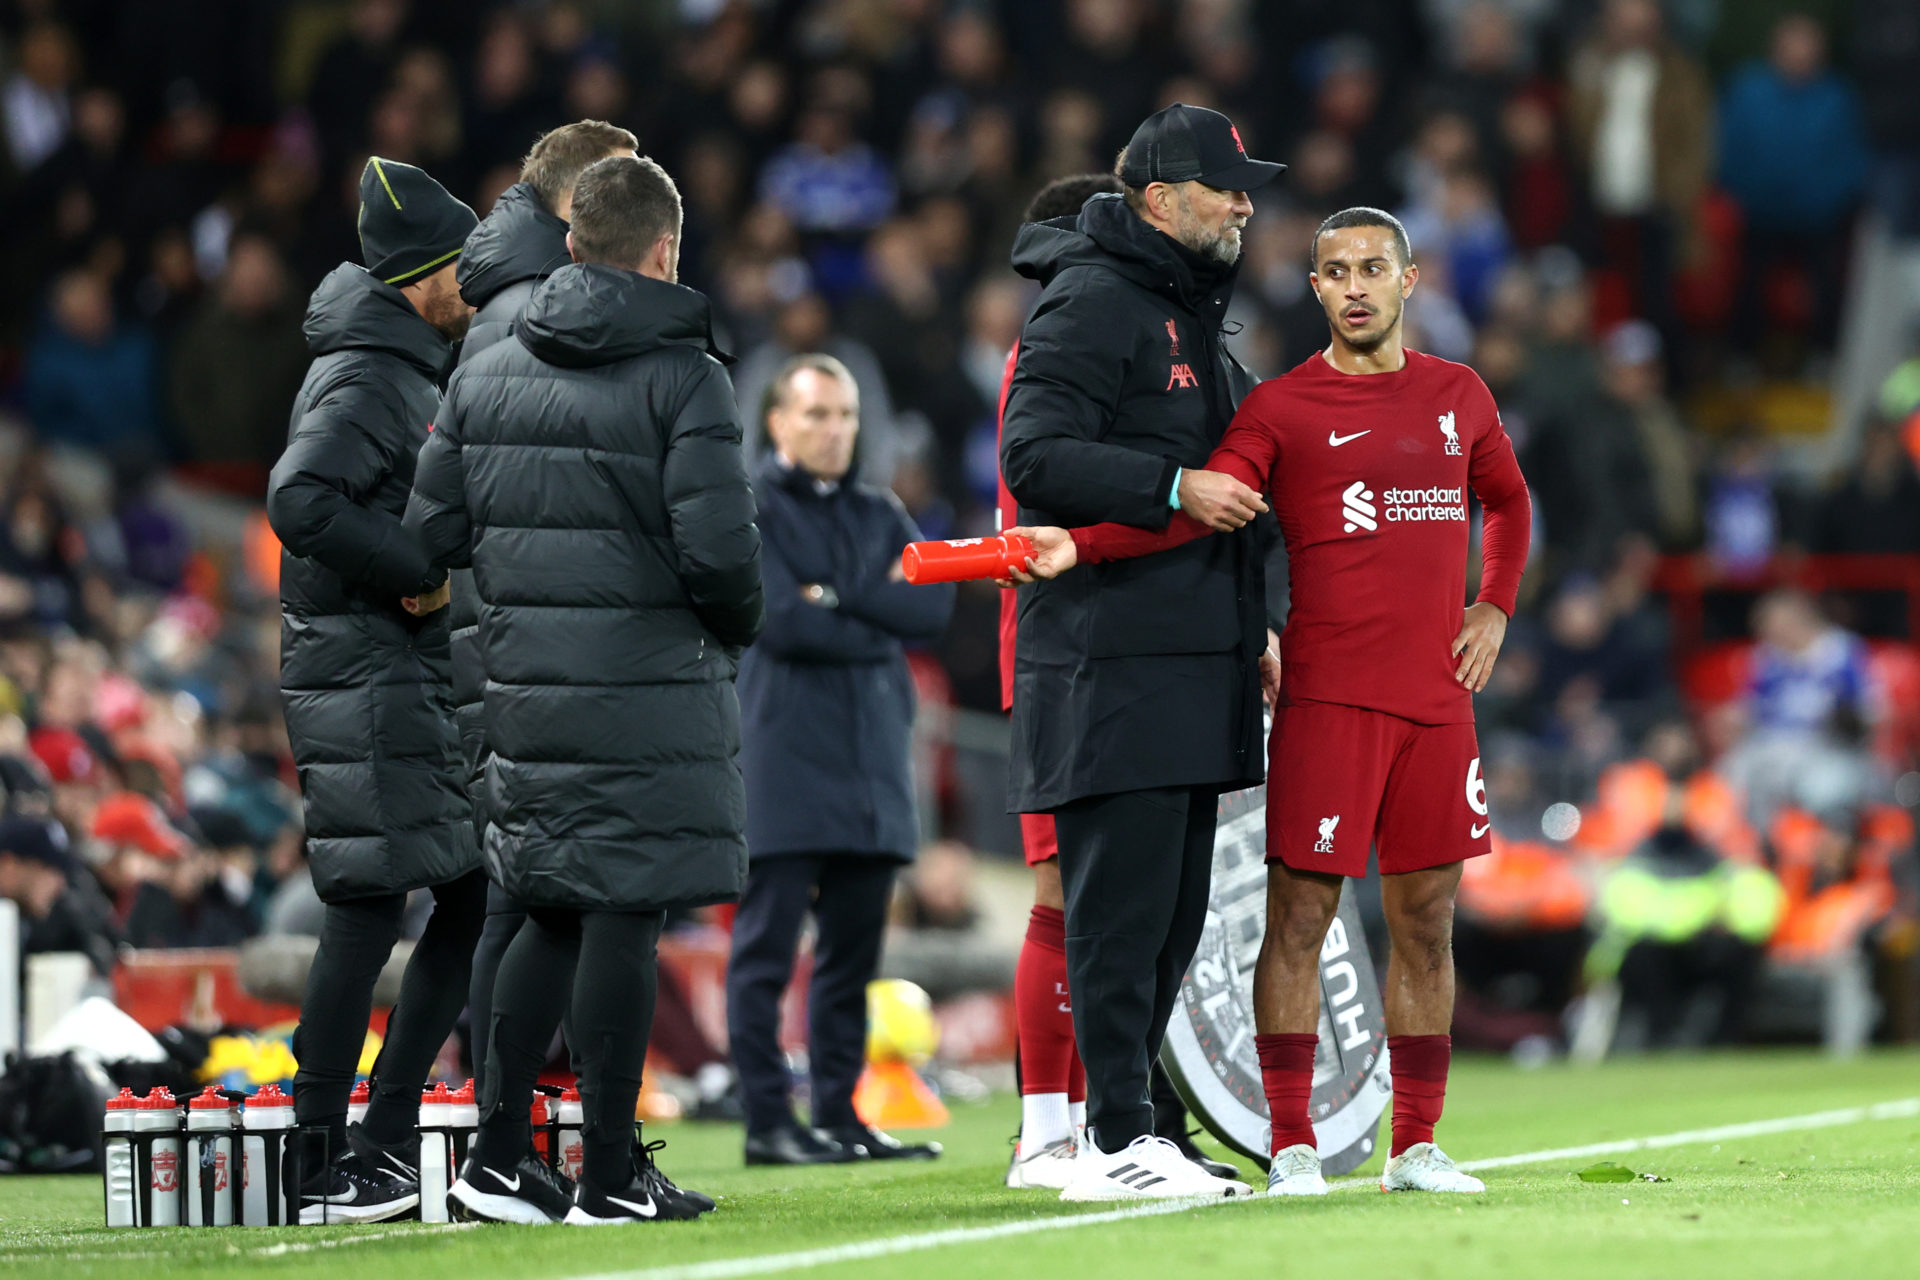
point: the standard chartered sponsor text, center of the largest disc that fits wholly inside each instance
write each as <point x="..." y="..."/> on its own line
<point x="1415" y="506"/>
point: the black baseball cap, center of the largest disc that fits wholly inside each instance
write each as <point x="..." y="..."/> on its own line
<point x="1192" y="144"/>
<point x="36" y="840"/>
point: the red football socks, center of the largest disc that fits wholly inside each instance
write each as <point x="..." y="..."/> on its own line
<point x="1042" y="1011"/>
<point x="1286" y="1070"/>
<point x="1419" y="1087"/>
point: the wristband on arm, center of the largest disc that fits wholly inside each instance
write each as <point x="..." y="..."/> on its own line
<point x="1173" y="498"/>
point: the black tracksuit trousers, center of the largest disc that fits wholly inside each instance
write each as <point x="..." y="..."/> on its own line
<point x="610" y="1012"/>
<point x="356" y="937"/>
<point x="1136" y="868"/>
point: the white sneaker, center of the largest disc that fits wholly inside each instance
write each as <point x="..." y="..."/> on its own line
<point x="1050" y="1167"/>
<point x="1148" y="1168"/>
<point x="1425" y="1167"/>
<point x="1296" y="1172"/>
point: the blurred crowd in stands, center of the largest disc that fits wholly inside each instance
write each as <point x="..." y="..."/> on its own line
<point x="1634" y="218"/>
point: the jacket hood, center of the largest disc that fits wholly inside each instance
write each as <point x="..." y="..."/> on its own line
<point x="520" y="240"/>
<point x="353" y="309"/>
<point x="594" y="314"/>
<point x="1107" y="233"/>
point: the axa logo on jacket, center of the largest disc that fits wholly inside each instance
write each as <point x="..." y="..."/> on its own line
<point x="1356" y="504"/>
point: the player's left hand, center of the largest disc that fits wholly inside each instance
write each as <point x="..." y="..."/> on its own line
<point x="1054" y="553"/>
<point x="1478" y="644"/>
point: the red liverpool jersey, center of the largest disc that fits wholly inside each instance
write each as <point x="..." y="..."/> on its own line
<point x="1369" y="477"/>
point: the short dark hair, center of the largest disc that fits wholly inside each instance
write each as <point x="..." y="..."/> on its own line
<point x="560" y="156"/>
<point x="819" y="362"/>
<point x="1363" y="216"/>
<point x="621" y="206"/>
<point x="1063" y="197"/>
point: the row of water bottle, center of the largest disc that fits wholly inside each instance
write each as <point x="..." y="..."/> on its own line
<point x="192" y="1154"/>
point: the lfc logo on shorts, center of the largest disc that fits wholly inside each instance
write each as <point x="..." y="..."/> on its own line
<point x="1325" y="843"/>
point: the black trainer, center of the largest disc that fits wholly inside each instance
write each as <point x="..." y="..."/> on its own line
<point x="353" y="1190"/>
<point x="652" y="1174"/>
<point x="648" y="1197"/>
<point x="529" y="1192"/>
<point x="872" y="1144"/>
<point x="402" y="1160"/>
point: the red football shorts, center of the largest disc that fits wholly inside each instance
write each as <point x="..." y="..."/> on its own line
<point x="1341" y="779"/>
<point x="1037" y="836"/>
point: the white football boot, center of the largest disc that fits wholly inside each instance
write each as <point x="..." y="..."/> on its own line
<point x="1425" y="1167"/>
<point x="1050" y="1167"/>
<point x="1148" y="1168"/>
<point x="1296" y="1172"/>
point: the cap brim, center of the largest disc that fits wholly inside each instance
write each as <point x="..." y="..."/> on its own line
<point x="1248" y="175"/>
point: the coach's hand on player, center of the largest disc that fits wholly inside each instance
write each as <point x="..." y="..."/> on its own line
<point x="1053" y="554"/>
<point x="1478" y="644"/>
<point x="1217" y="500"/>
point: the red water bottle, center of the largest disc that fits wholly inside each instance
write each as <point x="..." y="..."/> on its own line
<point x="962" y="559"/>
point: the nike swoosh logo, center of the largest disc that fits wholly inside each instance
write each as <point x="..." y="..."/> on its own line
<point x="646" y="1210"/>
<point x="348" y="1196"/>
<point x="1481" y="829"/>
<point x="1337" y="440"/>
<point x="501" y="1179"/>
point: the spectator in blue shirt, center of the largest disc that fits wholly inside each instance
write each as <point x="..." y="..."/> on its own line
<point x="1793" y="154"/>
<point x="1805" y="669"/>
<point x="90" y="379"/>
<point x="827" y="180"/>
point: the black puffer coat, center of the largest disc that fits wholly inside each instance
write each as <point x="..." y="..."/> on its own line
<point x="590" y="473"/>
<point x="364" y="682"/>
<point x="1139" y="673"/>
<point x="507" y="256"/>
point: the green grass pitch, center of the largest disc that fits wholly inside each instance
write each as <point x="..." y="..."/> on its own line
<point x="1840" y="1201"/>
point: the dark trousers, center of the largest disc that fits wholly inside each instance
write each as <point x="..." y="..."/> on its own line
<point x="611" y="1015"/>
<point x="1136" y="868"/>
<point x="847" y="894"/>
<point x="504" y="918"/>
<point x="356" y="938"/>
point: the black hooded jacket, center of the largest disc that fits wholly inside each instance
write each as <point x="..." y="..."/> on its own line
<point x="1139" y="673"/>
<point x="590" y="473"/>
<point x="518" y="245"/>
<point x="363" y="681"/>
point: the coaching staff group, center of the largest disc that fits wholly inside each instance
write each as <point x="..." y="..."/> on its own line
<point x="1124" y="679"/>
<point x="589" y="471"/>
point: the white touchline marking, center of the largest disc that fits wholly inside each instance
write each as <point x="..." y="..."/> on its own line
<point x="1899" y="1110"/>
<point x="770" y="1264"/>
<point x="236" y="1250"/>
<point x="773" y="1263"/>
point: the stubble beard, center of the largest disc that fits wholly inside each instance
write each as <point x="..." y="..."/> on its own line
<point x="1222" y="245"/>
